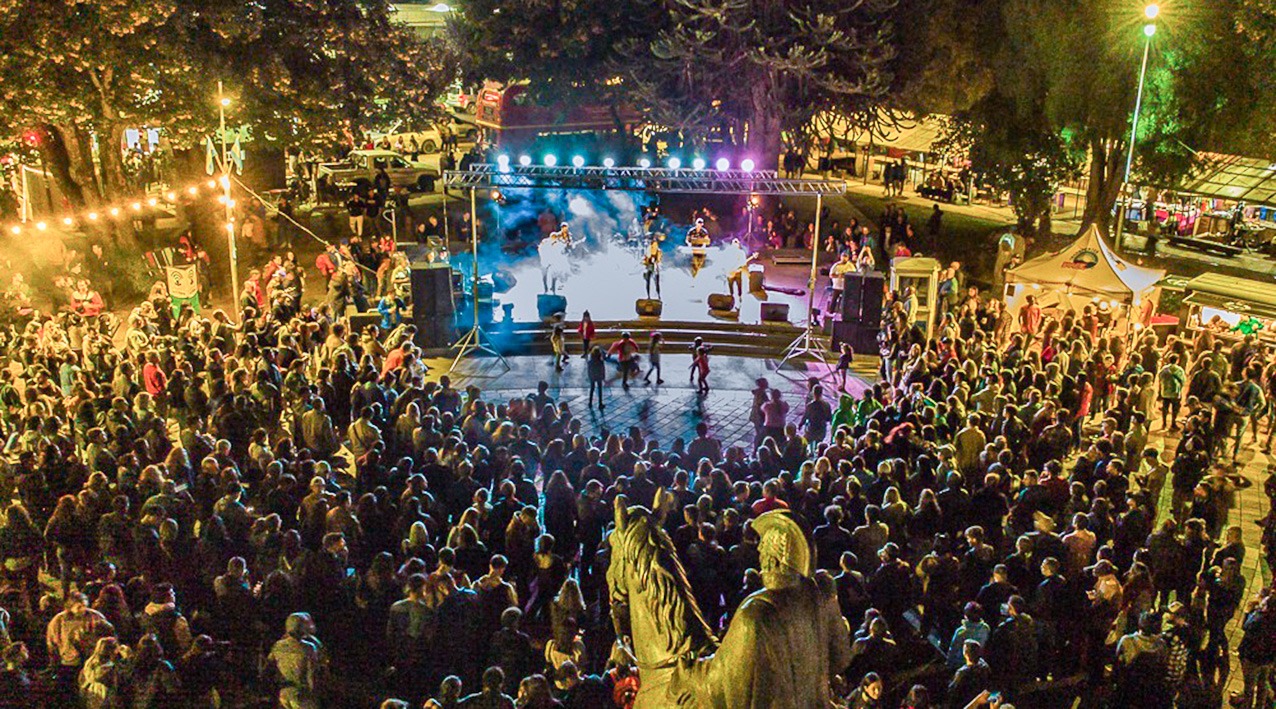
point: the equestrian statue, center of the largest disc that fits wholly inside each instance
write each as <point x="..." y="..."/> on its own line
<point x="783" y="646"/>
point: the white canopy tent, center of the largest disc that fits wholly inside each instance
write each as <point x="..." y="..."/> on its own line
<point x="1085" y="271"/>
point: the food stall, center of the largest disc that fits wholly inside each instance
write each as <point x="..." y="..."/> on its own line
<point x="1231" y="307"/>
<point x="1086" y="272"/>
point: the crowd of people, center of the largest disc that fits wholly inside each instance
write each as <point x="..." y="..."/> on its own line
<point x="280" y="509"/>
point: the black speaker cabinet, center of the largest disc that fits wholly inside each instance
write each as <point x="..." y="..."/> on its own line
<point x="648" y="307"/>
<point x="549" y="305"/>
<point x="862" y="298"/>
<point x="721" y="301"/>
<point x="862" y="338"/>
<point x="432" y="307"/>
<point x="775" y="312"/>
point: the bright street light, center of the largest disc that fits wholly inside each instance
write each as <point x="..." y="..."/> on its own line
<point x="1152" y="11"/>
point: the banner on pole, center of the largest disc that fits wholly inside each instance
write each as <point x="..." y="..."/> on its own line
<point x="237" y="156"/>
<point x="210" y="160"/>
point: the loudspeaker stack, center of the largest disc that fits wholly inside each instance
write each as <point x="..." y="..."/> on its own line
<point x="432" y="308"/>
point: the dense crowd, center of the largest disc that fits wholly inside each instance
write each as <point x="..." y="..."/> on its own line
<point x="286" y="510"/>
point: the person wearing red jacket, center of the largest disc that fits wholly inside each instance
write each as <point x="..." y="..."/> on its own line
<point x="586" y="330"/>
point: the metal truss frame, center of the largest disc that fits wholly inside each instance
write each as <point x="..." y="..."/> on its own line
<point x="648" y="179"/>
<point x="638" y="179"/>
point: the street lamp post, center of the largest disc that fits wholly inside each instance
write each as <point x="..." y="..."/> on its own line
<point x="222" y="103"/>
<point x="1151" y="12"/>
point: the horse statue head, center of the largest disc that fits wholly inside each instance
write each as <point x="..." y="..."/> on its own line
<point x="651" y="600"/>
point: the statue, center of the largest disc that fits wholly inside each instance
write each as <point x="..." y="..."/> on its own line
<point x="784" y="643"/>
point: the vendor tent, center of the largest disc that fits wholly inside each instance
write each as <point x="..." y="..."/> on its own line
<point x="1086" y="269"/>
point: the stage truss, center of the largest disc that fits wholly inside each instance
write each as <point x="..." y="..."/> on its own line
<point x="638" y="179"/>
<point x="647" y="179"/>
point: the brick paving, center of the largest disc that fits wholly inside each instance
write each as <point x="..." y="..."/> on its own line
<point x="664" y="412"/>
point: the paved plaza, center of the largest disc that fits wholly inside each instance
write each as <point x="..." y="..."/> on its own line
<point x="667" y="411"/>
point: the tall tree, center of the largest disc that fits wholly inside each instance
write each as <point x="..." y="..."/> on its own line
<point x="81" y="72"/>
<point x="764" y="66"/>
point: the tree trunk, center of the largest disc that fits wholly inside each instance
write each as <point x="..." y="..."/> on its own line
<point x="1104" y="185"/>
<point x="67" y="155"/>
<point x="765" y="140"/>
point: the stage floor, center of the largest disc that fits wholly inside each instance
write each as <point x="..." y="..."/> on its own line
<point x="607" y="284"/>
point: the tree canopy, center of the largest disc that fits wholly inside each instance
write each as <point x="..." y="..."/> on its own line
<point x="296" y="70"/>
<point x="744" y="71"/>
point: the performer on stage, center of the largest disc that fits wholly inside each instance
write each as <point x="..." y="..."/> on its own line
<point x="698" y="242"/>
<point x="651" y="266"/>
<point x="553" y="252"/>
<point x="737" y="261"/>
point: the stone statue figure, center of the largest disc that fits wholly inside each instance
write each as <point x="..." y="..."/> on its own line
<point x="784" y="643"/>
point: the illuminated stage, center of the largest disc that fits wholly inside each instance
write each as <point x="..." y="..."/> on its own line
<point x="608" y="282"/>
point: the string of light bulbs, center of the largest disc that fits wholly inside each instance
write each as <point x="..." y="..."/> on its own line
<point x="128" y="208"/>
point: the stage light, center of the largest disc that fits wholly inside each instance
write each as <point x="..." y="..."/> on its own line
<point x="723" y="164"/>
<point x="609" y="163"/>
<point x="746" y="165"/>
<point x="674" y="163"/>
<point x="551" y="160"/>
<point x="212" y="184"/>
<point x="92" y="216"/>
<point x="171" y="196"/>
<point x="578" y="161"/>
<point x="152" y="202"/>
<point x="137" y="206"/>
<point x="41" y="226"/>
<point x="697" y="164"/>
<point x="1151" y="11"/>
<point x="193" y="191"/>
<point x="115" y="211"/>
<point x="503" y="160"/>
<point x="525" y="160"/>
<point x="1149" y="29"/>
<point x="644" y="163"/>
<point x="68" y="221"/>
<point x="496" y="195"/>
<point x="16" y="230"/>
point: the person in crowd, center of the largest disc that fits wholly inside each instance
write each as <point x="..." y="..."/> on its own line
<point x="993" y="503"/>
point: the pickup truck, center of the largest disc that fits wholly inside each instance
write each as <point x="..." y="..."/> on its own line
<point x="362" y="165"/>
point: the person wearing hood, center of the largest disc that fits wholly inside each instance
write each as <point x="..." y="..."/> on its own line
<point x="298" y="663"/>
<point x="162" y="618"/>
